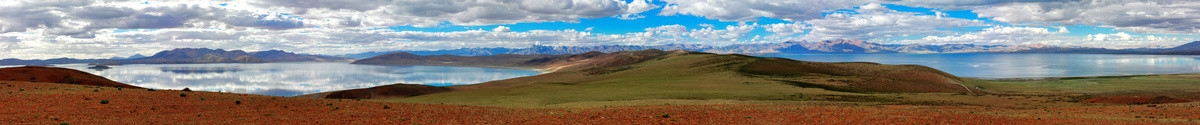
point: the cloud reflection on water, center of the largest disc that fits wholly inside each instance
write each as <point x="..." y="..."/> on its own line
<point x="289" y="79"/>
<point x="1027" y="65"/>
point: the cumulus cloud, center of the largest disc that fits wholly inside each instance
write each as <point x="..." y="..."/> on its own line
<point x="1143" y="16"/>
<point x="706" y="35"/>
<point x="782" y="30"/>
<point x="1001" y="35"/>
<point x="873" y="22"/>
<point x="748" y="10"/>
<point x="425" y="13"/>
<point x="501" y="29"/>
<point x="99" y="29"/>
<point x="84" y="19"/>
<point x="344" y="40"/>
<point x="1122" y="40"/>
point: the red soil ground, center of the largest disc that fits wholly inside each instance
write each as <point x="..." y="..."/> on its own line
<point x="1135" y="100"/>
<point x="56" y="75"/>
<point x="49" y="103"/>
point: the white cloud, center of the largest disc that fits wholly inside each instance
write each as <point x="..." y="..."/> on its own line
<point x="501" y="29"/>
<point x="877" y="23"/>
<point x="993" y="36"/>
<point x="1143" y="16"/>
<point x="458" y="12"/>
<point x="1126" y="40"/>
<point x="82" y="18"/>
<point x="748" y="10"/>
<point x="782" y="30"/>
<point x="1035" y="35"/>
<point x="341" y="41"/>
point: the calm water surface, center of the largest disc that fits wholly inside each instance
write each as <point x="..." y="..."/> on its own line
<point x="290" y="79"/>
<point x="1027" y="65"/>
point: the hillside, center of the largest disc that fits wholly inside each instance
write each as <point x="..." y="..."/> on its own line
<point x="655" y="74"/>
<point x="57" y="75"/>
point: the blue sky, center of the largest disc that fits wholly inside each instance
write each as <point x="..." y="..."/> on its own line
<point x="35" y="29"/>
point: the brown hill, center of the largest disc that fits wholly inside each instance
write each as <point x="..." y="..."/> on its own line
<point x="387" y="91"/>
<point x="57" y="75"/>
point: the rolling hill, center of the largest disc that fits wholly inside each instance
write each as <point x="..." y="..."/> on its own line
<point x="57" y="75"/>
<point x="655" y="74"/>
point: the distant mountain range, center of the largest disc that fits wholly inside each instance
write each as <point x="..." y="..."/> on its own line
<point x="839" y="46"/>
<point x="191" y="55"/>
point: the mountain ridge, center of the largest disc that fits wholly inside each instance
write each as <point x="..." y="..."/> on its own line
<point x="837" y="46"/>
<point x="191" y="55"/>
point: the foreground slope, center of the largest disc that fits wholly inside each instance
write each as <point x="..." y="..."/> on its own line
<point x="50" y="103"/>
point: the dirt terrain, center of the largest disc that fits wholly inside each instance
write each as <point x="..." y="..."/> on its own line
<point x="51" y="103"/>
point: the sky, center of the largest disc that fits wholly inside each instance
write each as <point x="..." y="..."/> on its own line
<point x="43" y="29"/>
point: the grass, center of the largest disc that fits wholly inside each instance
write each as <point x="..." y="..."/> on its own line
<point x="1092" y="85"/>
<point x="704" y="79"/>
<point x="675" y="80"/>
<point x="631" y="84"/>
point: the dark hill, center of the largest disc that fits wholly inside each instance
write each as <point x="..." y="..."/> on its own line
<point x="204" y="55"/>
<point x="1193" y="46"/>
<point x="283" y="56"/>
<point x="57" y="75"/>
<point x="195" y="55"/>
<point x="404" y="58"/>
<point x="387" y="91"/>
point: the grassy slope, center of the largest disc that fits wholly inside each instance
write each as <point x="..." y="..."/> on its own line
<point x="1184" y="86"/>
<point x="633" y="84"/>
<point x="672" y="80"/>
<point x="676" y="80"/>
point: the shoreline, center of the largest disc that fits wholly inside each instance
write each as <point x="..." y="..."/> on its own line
<point x="1073" y="77"/>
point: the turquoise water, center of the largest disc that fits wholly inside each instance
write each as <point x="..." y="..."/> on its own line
<point x="290" y="79"/>
<point x="1027" y="65"/>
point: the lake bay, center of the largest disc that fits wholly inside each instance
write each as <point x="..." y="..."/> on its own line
<point x="290" y="79"/>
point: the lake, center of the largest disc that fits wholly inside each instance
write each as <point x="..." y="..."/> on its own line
<point x="290" y="79"/>
<point x="1027" y="65"/>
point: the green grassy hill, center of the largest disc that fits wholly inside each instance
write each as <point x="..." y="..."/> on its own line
<point x="682" y="75"/>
